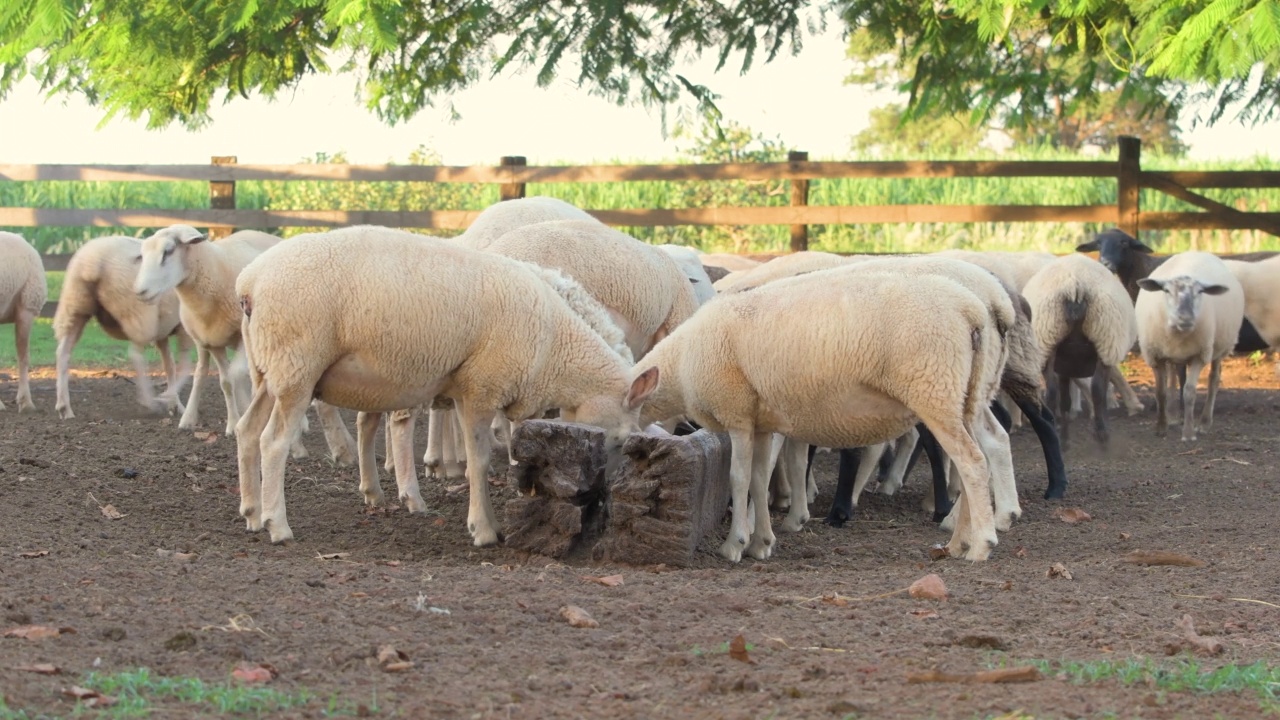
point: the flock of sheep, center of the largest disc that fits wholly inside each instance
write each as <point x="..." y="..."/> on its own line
<point x="538" y="307"/>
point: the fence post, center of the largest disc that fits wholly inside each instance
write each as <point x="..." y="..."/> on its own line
<point x="799" y="198"/>
<point x="222" y="196"/>
<point x="1129" y="183"/>
<point x="511" y="191"/>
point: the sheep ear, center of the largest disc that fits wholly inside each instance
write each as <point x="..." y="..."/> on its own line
<point x="1213" y="289"/>
<point x="1152" y="285"/>
<point x="192" y="237"/>
<point x="1137" y="245"/>
<point x="1091" y="246"/>
<point x="641" y="388"/>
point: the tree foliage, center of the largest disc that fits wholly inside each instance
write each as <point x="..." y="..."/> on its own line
<point x="170" y="60"/>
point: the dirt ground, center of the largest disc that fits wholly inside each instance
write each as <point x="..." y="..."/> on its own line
<point x="483" y="629"/>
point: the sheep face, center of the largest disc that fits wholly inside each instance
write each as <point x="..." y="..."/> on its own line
<point x="163" y="264"/>
<point x="619" y="419"/>
<point x="1117" y="250"/>
<point x="1183" y="297"/>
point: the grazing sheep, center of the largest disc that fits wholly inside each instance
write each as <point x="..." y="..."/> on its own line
<point x="863" y="382"/>
<point x="1085" y="324"/>
<point x="1189" y="315"/>
<point x="492" y="336"/>
<point x="23" y="291"/>
<point x="99" y="284"/>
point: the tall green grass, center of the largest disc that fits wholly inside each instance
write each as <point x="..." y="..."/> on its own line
<point x="906" y="237"/>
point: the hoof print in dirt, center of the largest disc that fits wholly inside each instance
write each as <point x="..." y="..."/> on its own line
<point x="665" y="495"/>
<point x="560" y="476"/>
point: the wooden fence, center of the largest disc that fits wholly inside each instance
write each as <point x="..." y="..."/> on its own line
<point x="513" y="174"/>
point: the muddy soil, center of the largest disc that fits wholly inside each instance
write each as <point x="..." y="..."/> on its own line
<point x="176" y="584"/>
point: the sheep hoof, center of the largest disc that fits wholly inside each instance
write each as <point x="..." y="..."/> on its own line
<point x="185" y="424"/>
<point x="889" y="488"/>
<point x="414" y="504"/>
<point x="761" y="548"/>
<point x="24" y="405"/>
<point x="839" y="515"/>
<point x="64" y="412"/>
<point x="948" y="523"/>
<point x="280" y="532"/>
<point x="374" y="498"/>
<point x="252" y="522"/>
<point x="794" y="524"/>
<point x="1005" y="521"/>
<point x="483" y="538"/>
<point x="731" y="550"/>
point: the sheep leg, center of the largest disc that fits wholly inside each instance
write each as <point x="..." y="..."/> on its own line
<point x="175" y="374"/>
<point x="435" y="435"/>
<point x="793" y="460"/>
<point x="342" y="448"/>
<point x="227" y="383"/>
<point x="1215" y="379"/>
<point x="146" y="393"/>
<point x="870" y="461"/>
<point x="842" y="504"/>
<point x="366" y="431"/>
<point x="191" y="416"/>
<point x="1100" y="391"/>
<point x="455" y="451"/>
<point x="975" y="524"/>
<point x="1064" y="409"/>
<point x="904" y="450"/>
<point x="1132" y="404"/>
<point x="283" y="426"/>
<point x="1161" y="371"/>
<point x="400" y="428"/>
<point x="249" y="457"/>
<point x="65" y="344"/>
<point x="1042" y="422"/>
<point x="939" y="464"/>
<point x="779" y="480"/>
<point x="762" y="537"/>
<point x="390" y="463"/>
<point x="1194" y="367"/>
<point x="810" y="485"/>
<point x="478" y="440"/>
<point x="22" y="340"/>
<point x="742" y="442"/>
<point x="994" y="441"/>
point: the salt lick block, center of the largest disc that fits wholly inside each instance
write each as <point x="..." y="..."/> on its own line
<point x="665" y="495"/>
<point x="560" y="473"/>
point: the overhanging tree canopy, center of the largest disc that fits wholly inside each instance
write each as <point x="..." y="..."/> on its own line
<point x="169" y="59"/>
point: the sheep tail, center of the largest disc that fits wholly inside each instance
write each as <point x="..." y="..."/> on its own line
<point x="1074" y="310"/>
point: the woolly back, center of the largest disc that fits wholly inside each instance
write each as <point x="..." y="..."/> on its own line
<point x="586" y="307"/>
<point x="1109" y="321"/>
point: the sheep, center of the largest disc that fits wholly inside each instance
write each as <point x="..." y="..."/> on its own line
<point x="491" y="335"/>
<point x="23" y="290"/>
<point x="728" y="261"/>
<point x="203" y="274"/>
<point x="1178" y="324"/>
<point x="1261" y="299"/>
<point x="686" y="259"/>
<point x="864" y="381"/>
<point x="502" y="217"/>
<point x="1086" y="325"/>
<point x="643" y="289"/>
<point x="99" y="284"/>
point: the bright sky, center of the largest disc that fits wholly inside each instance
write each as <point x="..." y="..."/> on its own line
<point x="801" y="99"/>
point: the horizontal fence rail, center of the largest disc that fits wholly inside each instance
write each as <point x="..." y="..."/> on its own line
<point x="512" y="175"/>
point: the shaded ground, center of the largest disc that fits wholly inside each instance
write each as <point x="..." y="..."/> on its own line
<point x="503" y="650"/>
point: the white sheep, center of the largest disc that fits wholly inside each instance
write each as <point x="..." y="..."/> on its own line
<point x="489" y="333"/>
<point x="687" y="259"/>
<point x="502" y="217"/>
<point x="864" y="381"/>
<point x="1085" y="323"/>
<point x="99" y="284"/>
<point x="180" y="258"/>
<point x="1261" y="283"/>
<point x="1189" y="313"/>
<point x="23" y="290"/>
<point x="728" y="261"/>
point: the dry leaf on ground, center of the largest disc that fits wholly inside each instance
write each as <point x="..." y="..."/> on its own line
<point x="33" y="554"/>
<point x="929" y="587"/>
<point x="1005" y="675"/>
<point x="90" y="698"/>
<point x="41" y="668"/>
<point x="1071" y="515"/>
<point x="393" y="660"/>
<point x="925" y="614"/>
<point x="248" y="672"/>
<point x="738" y="649"/>
<point x="1207" y="645"/>
<point x="578" y="617"/>
<point x="333" y="556"/>
<point x="1143" y="557"/>
<point x="607" y="580"/>
<point x="36" y="632"/>
<point x="111" y="512"/>
<point x="1058" y="570"/>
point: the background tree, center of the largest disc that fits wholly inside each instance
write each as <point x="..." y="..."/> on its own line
<point x="168" y="60"/>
